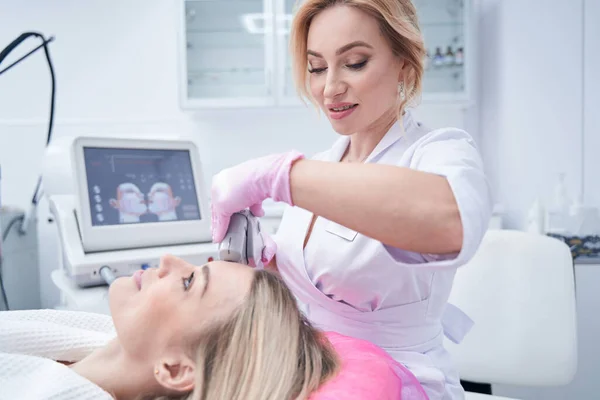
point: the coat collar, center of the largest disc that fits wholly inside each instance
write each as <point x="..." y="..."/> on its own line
<point x="396" y="132"/>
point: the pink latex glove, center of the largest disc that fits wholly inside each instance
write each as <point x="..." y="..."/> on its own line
<point x="247" y="185"/>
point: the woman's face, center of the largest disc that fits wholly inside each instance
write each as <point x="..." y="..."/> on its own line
<point x="354" y="74"/>
<point x="164" y="308"/>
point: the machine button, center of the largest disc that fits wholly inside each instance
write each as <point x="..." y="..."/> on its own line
<point x="145" y="266"/>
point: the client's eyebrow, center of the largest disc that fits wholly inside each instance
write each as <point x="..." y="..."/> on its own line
<point x="206" y="274"/>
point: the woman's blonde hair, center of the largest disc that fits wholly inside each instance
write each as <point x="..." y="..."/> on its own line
<point x="266" y="350"/>
<point x="398" y="22"/>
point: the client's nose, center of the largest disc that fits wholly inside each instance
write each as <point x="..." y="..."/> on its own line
<point x="167" y="262"/>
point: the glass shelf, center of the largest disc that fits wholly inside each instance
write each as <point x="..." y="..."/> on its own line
<point x="226" y="91"/>
<point x="444" y="80"/>
<point x="438" y="11"/>
<point x="215" y="83"/>
<point x="220" y="15"/>
<point x="197" y="42"/>
<point x="229" y="2"/>
<point x="224" y="74"/>
<point x="224" y="58"/>
<point x="444" y="29"/>
<point x="217" y="31"/>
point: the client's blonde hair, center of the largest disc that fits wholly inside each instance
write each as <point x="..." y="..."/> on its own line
<point x="398" y="23"/>
<point x="266" y="350"/>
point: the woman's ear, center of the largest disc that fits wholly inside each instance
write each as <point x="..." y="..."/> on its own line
<point x="401" y="68"/>
<point x="176" y="374"/>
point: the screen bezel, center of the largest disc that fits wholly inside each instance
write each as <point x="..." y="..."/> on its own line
<point x="150" y="234"/>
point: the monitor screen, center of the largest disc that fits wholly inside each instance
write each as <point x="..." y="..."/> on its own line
<point x="132" y="186"/>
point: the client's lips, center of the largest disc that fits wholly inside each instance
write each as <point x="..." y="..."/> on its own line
<point x="137" y="278"/>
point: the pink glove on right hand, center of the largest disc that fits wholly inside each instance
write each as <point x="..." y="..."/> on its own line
<point x="247" y="185"/>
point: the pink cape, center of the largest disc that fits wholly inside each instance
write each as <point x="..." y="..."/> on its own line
<point x="368" y="373"/>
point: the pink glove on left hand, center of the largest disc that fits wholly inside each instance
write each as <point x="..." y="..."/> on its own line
<point x="247" y="185"/>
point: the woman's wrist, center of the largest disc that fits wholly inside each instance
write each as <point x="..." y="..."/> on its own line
<point x="281" y="186"/>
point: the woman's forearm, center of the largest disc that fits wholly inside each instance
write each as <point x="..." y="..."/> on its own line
<point x="401" y="207"/>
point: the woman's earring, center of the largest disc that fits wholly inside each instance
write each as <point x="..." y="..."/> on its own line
<point x="156" y="371"/>
<point x="401" y="91"/>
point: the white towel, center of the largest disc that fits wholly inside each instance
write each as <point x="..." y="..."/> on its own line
<point x="31" y="340"/>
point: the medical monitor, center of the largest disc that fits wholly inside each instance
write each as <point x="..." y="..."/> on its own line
<point x="135" y="193"/>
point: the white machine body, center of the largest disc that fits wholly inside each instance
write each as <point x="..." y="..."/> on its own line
<point x="84" y="268"/>
<point x="86" y="179"/>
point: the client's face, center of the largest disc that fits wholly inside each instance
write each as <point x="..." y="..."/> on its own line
<point x="165" y="308"/>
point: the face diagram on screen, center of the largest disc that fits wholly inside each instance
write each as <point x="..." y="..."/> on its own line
<point x="130" y="203"/>
<point x="132" y="186"/>
<point x="162" y="203"/>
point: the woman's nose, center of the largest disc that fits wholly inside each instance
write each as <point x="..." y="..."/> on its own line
<point x="166" y="265"/>
<point x="333" y="86"/>
<point x="162" y="271"/>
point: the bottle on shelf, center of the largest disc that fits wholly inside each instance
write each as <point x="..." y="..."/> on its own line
<point x="459" y="57"/>
<point x="438" y="58"/>
<point x="449" y="57"/>
<point x="557" y="216"/>
<point x="535" y="218"/>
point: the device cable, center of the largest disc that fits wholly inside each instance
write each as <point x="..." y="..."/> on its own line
<point x="2" y="289"/>
<point x="3" y="54"/>
<point x="24" y="219"/>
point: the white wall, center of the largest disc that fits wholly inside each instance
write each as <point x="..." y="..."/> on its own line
<point x="539" y="102"/>
<point x="531" y="99"/>
<point x="592" y="102"/>
<point x="116" y="72"/>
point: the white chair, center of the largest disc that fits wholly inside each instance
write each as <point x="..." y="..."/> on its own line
<point x="520" y="291"/>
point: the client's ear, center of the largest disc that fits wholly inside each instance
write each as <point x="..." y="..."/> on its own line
<point x="176" y="374"/>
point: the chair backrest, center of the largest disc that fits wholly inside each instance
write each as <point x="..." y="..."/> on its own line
<point x="519" y="289"/>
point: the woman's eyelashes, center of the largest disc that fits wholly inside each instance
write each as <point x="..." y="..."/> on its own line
<point x="358" y="66"/>
<point x="187" y="281"/>
<point x="355" y="67"/>
<point x="314" y="70"/>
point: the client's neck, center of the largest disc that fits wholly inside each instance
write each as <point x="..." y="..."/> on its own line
<point x="114" y="371"/>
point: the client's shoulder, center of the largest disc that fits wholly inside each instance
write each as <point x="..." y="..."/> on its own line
<point x="366" y="372"/>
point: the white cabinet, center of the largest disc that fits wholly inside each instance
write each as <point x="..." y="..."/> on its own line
<point x="234" y="53"/>
<point x="227" y="53"/>
<point x="447" y="27"/>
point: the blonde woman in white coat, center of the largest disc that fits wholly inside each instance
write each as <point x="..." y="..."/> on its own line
<point x="378" y="224"/>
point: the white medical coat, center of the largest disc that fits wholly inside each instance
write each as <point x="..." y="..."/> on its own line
<point x="357" y="286"/>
